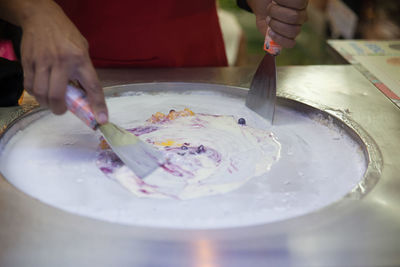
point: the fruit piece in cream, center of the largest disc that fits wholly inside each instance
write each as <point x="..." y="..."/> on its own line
<point x="206" y="155"/>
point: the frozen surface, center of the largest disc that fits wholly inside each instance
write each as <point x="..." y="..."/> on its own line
<point x="54" y="160"/>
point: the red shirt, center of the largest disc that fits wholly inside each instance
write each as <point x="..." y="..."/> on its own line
<point x="144" y="33"/>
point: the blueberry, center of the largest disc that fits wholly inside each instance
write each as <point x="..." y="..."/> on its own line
<point x="184" y="147"/>
<point x="242" y="121"/>
<point x="201" y="149"/>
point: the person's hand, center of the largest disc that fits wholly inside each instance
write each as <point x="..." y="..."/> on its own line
<point x="53" y="52"/>
<point x="284" y="17"/>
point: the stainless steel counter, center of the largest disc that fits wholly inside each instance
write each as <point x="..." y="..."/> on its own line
<point x="352" y="232"/>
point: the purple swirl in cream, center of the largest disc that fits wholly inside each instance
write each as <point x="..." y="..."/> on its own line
<point x="206" y="155"/>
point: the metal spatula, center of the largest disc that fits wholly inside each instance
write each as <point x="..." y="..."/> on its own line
<point x="261" y="97"/>
<point x="139" y="156"/>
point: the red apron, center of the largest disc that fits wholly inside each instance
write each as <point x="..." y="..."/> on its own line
<point x="144" y="33"/>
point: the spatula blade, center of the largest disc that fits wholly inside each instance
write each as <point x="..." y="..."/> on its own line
<point x="262" y="94"/>
<point x="139" y="156"/>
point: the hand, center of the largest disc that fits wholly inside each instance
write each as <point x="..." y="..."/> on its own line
<point x="54" y="52"/>
<point x="284" y="17"/>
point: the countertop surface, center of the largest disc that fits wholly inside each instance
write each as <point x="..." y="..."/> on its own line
<point x="356" y="231"/>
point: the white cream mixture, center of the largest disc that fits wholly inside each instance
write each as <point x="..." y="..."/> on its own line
<point x="206" y="154"/>
<point x="54" y="160"/>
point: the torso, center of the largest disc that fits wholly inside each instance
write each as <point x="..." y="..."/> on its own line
<point x="165" y="33"/>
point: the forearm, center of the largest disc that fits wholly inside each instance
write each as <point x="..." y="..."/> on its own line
<point x="18" y="12"/>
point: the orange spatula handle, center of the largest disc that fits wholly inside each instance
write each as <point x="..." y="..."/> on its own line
<point x="78" y="104"/>
<point x="270" y="46"/>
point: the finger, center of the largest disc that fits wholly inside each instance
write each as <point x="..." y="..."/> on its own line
<point x="28" y="78"/>
<point x="87" y="77"/>
<point x="262" y="25"/>
<point x="259" y="7"/>
<point x="282" y="40"/>
<point x="286" y="30"/>
<point x="28" y="70"/>
<point x="294" y="4"/>
<point x="287" y="15"/>
<point x="41" y="85"/>
<point x="57" y="86"/>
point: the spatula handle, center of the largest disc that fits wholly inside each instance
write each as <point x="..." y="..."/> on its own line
<point x="270" y="46"/>
<point x="78" y="104"/>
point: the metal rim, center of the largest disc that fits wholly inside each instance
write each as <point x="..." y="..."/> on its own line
<point x="343" y="120"/>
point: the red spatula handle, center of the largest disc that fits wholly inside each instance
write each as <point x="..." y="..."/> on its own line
<point x="78" y="104"/>
<point x="270" y="46"/>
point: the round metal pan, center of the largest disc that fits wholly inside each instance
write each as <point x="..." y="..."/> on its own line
<point x="69" y="237"/>
<point x="340" y="119"/>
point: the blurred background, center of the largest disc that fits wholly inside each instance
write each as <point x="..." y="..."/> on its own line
<point x="327" y="19"/>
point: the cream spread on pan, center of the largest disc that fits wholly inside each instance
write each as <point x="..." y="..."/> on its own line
<point x="205" y="155"/>
<point x="54" y="159"/>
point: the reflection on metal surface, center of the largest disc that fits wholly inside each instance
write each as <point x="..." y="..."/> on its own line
<point x="204" y="253"/>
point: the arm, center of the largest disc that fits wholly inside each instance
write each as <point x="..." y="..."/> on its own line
<point x="53" y="52"/>
<point x="284" y="17"/>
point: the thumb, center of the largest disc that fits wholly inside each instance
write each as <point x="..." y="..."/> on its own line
<point x="87" y="77"/>
<point x="262" y="24"/>
<point x="261" y="10"/>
